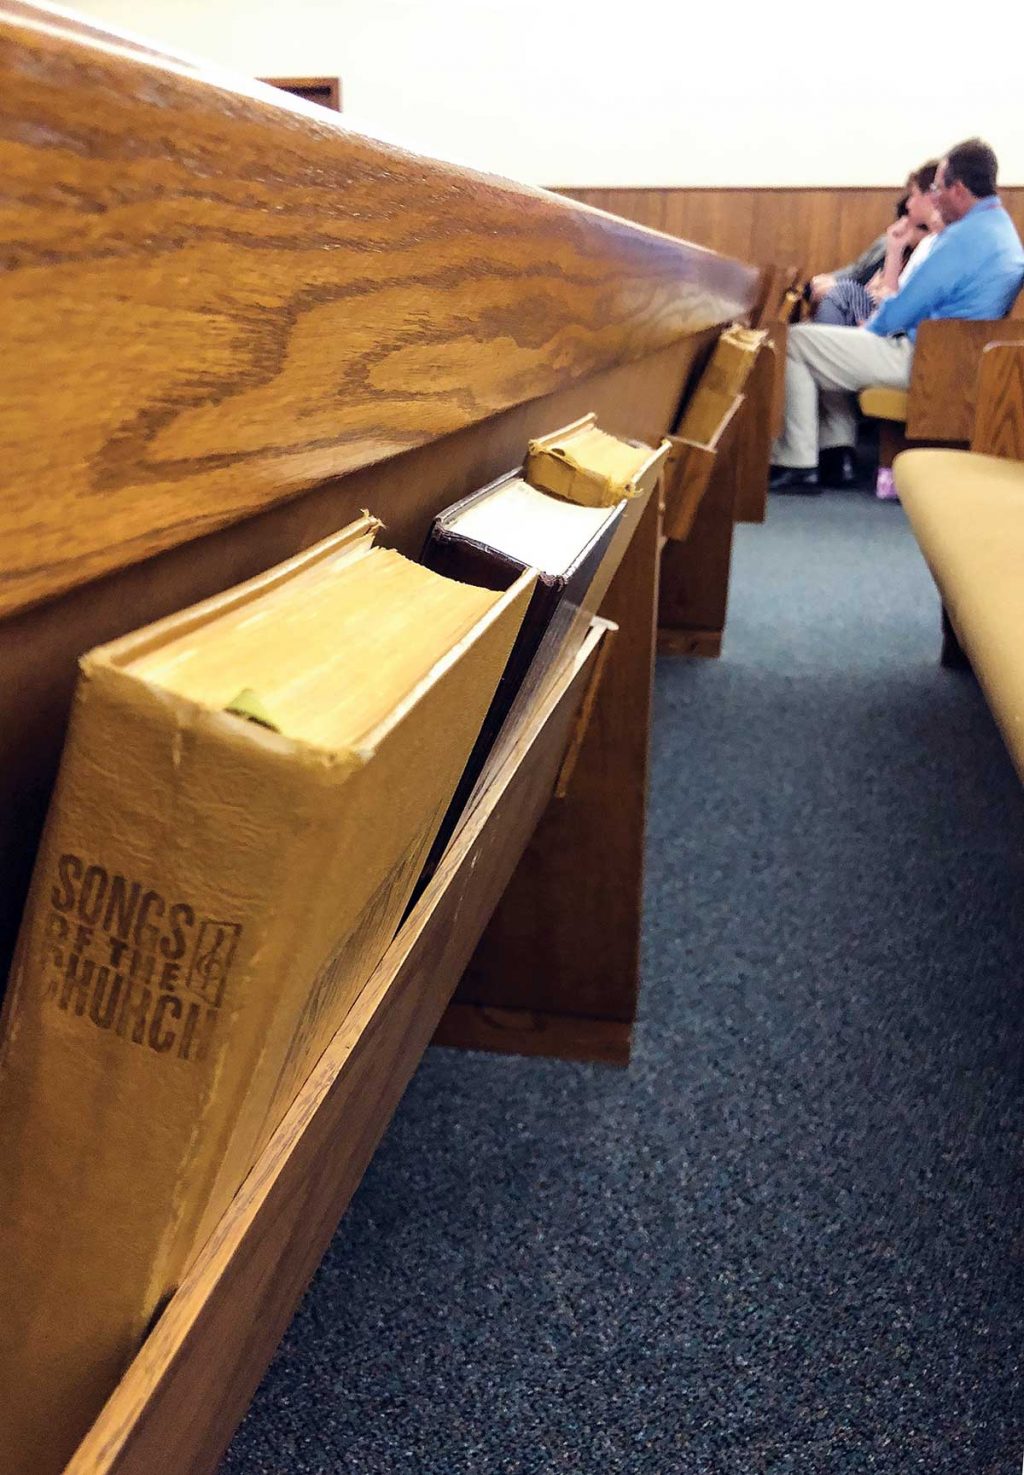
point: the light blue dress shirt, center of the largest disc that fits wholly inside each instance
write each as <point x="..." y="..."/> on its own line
<point x="974" y="270"/>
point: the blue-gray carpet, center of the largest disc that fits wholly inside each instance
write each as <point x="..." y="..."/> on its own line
<point x="790" y="1238"/>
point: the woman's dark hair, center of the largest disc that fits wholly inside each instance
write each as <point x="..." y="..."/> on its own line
<point x="924" y="176"/>
<point x="974" y="165"/>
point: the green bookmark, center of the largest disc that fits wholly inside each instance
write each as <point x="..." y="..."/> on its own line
<point x="248" y="705"/>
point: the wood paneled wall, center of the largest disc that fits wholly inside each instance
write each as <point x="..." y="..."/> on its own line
<point x="815" y="229"/>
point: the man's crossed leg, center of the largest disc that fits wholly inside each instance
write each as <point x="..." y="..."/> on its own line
<point x="825" y="367"/>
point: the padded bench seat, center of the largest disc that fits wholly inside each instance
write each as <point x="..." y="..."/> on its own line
<point x="885" y="404"/>
<point x="967" y="512"/>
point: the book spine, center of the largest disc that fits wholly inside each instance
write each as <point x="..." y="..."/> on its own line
<point x="561" y="624"/>
<point x="471" y="562"/>
<point x="448" y="553"/>
<point x="132" y="1028"/>
<point x="209" y="901"/>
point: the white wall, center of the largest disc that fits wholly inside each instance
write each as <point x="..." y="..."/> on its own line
<point x="641" y="92"/>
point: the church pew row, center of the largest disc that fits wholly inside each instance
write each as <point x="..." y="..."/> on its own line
<point x="967" y="512"/>
<point x="695" y="570"/>
<point x="234" y="323"/>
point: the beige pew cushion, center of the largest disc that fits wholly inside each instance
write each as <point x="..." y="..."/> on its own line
<point x="967" y="512"/>
<point x="884" y="404"/>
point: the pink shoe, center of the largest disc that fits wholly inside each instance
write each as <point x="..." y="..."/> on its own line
<point x="885" y="487"/>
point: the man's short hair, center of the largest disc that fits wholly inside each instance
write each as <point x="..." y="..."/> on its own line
<point x="974" y="165"/>
<point x="924" y="176"/>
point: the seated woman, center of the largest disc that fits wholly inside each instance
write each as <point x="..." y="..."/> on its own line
<point x="862" y="270"/>
<point x="907" y="243"/>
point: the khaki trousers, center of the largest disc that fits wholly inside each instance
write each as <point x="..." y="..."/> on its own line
<point x="825" y="367"/>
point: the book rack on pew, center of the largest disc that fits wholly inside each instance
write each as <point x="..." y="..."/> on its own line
<point x="256" y="1266"/>
<point x="236" y="368"/>
<point x="709" y="488"/>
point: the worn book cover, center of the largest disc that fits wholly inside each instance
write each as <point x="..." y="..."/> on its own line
<point x="714" y="403"/>
<point x="247" y="794"/>
<point x="587" y="465"/>
<point x="723" y="380"/>
<point x="489" y="538"/>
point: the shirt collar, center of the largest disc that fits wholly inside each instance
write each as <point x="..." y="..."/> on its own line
<point x="990" y="202"/>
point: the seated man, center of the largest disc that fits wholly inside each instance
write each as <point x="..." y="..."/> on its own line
<point x="974" y="270"/>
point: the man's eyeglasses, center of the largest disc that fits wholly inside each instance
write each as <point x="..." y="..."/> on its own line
<point x="935" y="188"/>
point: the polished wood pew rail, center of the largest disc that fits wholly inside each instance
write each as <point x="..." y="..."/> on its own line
<point x="233" y="324"/>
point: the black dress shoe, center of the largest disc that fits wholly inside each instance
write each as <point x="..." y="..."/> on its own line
<point x="800" y="479"/>
<point x="838" y="466"/>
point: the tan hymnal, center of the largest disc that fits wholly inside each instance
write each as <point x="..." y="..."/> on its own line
<point x="247" y="794"/>
<point x="588" y="466"/>
<point x="723" y="379"/>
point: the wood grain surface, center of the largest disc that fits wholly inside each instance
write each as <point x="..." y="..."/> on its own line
<point x="180" y="1401"/>
<point x="694" y="587"/>
<point x="820" y="229"/>
<point x="944" y="377"/>
<point x="234" y="323"/>
<point x="217" y="297"/>
<point x="323" y="90"/>
<point x="40" y="647"/>
<point x="778" y="335"/>
<point x="706" y="644"/>
<point x="754" y="445"/>
<point x="535" y="1033"/>
<point x="999" y="422"/>
<point x="687" y="473"/>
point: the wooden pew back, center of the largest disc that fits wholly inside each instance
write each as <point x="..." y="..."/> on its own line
<point x="234" y="322"/>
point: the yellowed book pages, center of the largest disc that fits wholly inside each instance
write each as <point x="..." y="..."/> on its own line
<point x="586" y="465"/>
<point x="733" y="358"/>
<point x="210" y="897"/>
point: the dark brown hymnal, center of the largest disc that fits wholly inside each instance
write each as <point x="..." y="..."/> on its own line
<point x="488" y="539"/>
